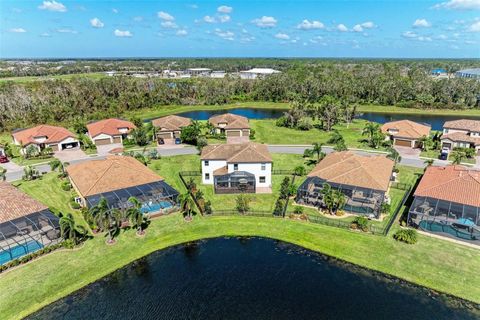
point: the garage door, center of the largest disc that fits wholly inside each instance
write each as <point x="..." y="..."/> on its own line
<point x="233" y="133"/>
<point x="164" y="135"/>
<point x="117" y="140"/>
<point x="54" y="147"/>
<point x="246" y="132"/>
<point x="102" y="142"/>
<point x="403" y="143"/>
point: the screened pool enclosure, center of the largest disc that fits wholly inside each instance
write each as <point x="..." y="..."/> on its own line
<point x="28" y="234"/>
<point x="359" y="200"/>
<point x="448" y="218"/>
<point x="156" y="198"/>
<point x="235" y="182"/>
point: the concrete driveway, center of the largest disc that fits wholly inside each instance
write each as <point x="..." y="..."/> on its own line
<point x="105" y="149"/>
<point x="70" y="155"/>
<point x="11" y="166"/>
<point x="406" y="152"/>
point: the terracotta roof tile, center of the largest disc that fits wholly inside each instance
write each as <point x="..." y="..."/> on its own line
<point x="452" y="183"/>
<point x="232" y="121"/>
<point x="113" y="173"/>
<point x="461" y="137"/>
<point x="463" y="124"/>
<point x="348" y="168"/>
<point x="108" y="126"/>
<point x="171" y="123"/>
<point x="53" y="134"/>
<point x="242" y="152"/>
<point x="407" y="129"/>
<point x="16" y="204"/>
<point x="221" y="171"/>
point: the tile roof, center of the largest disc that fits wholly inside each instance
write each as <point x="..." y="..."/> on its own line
<point x="221" y="171"/>
<point x="463" y="124"/>
<point x="461" y="137"/>
<point x="16" y="204"/>
<point x="407" y="129"/>
<point x="108" y="126"/>
<point x="452" y="183"/>
<point x="53" y="134"/>
<point x="348" y="168"/>
<point x="113" y="173"/>
<point x="233" y="121"/>
<point x="238" y="153"/>
<point x="171" y="123"/>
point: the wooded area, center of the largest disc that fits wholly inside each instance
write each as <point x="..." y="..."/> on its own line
<point x="397" y="83"/>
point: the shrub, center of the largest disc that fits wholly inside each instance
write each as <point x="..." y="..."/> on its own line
<point x="252" y="134"/>
<point x="242" y="203"/>
<point x="305" y="124"/>
<point x="298" y="210"/>
<point x="66" y="186"/>
<point x="74" y="205"/>
<point x="201" y="143"/>
<point x="281" y="122"/>
<point x="208" y="207"/>
<point x="279" y="206"/>
<point x="406" y="235"/>
<point x="360" y="223"/>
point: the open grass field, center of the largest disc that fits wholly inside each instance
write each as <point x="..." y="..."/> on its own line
<point x="431" y="262"/>
<point x="96" y="75"/>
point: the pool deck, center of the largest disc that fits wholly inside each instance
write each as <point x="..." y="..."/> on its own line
<point x="436" y="236"/>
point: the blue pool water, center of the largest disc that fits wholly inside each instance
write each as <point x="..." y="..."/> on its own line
<point x="156" y="206"/>
<point x="450" y="230"/>
<point x="18" y="251"/>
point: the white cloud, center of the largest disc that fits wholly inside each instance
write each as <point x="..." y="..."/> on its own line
<point x="17" y="30"/>
<point x="282" y="36"/>
<point x="182" y="32"/>
<point x="227" y="35"/>
<point x="224" y="9"/>
<point x="423" y="38"/>
<point x="421" y="23"/>
<point x="459" y="5"/>
<point x="308" y="25"/>
<point x="470" y="42"/>
<point x="265" y="22"/>
<point x="122" y="33"/>
<point x="169" y="24"/>
<point x="45" y="34"/>
<point x="96" y="23"/>
<point x="358" y="28"/>
<point x="342" y="28"/>
<point x="368" y="25"/>
<point x="193" y="6"/>
<point x="409" y="34"/>
<point x="209" y="19"/>
<point x="165" y="16"/>
<point x="66" y="30"/>
<point x="224" y="18"/>
<point x="115" y="10"/>
<point x="442" y="37"/>
<point x="52" y="6"/>
<point x="475" y="27"/>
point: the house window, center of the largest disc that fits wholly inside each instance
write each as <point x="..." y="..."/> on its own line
<point x="262" y="179"/>
<point x="207" y="176"/>
<point x="235" y="166"/>
<point x="264" y="166"/>
<point x="206" y="163"/>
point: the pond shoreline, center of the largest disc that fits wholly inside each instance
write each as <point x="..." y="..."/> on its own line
<point x="445" y="298"/>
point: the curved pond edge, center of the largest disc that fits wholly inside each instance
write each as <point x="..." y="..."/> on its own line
<point x="447" y="297"/>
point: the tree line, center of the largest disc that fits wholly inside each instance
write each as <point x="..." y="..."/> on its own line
<point x="64" y="101"/>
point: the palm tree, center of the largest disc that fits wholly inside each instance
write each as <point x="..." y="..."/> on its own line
<point x="458" y="157"/>
<point x="137" y="217"/>
<point x="186" y="205"/>
<point x="110" y="222"/>
<point x="328" y="197"/>
<point x="339" y="199"/>
<point x="427" y="142"/>
<point x="394" y="155"/>
<point x="98" y="210"/>
<point x="69" y="229"/>
<point x="372" y="131"/>
<point x="317" y="149"/>
<point x="299" y="171"/>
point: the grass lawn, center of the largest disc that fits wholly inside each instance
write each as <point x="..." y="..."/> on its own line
<point x="49" y="192"/>
<point x="435" y="154"/>
<point x="435" y="263"/>
<point x="93" y="75"/>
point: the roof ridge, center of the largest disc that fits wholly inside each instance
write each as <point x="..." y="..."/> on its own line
<point x="248" y="146"/>
<point x="451" y="180"/>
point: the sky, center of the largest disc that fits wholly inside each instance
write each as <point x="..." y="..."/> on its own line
<point x="248" y="28"/>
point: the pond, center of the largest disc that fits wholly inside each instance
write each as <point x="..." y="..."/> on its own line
<point x="436" y="121"/>
<point x="251" y="278"/>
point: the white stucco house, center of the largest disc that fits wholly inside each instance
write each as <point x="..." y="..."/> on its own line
<point x="237" y="168"/>
<point x="45" y="136"/>
<point x="464" y="133"/>
<point x="109" y="131"/>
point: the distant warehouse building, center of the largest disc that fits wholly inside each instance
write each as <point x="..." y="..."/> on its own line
<point x="468" y="73"/>
<point x="257" y="73"/>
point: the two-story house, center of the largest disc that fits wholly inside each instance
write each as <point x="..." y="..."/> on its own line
<point x="236" y="168"/>
<point x="236" y="128"/>
<point x="464" y="133"/>
<point x="45" y="136"/>
<point x="109" y="131"/>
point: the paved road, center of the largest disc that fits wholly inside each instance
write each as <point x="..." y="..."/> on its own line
<point x="292" y="149"/>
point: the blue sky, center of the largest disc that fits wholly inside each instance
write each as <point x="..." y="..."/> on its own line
<point x="403" y="29"/>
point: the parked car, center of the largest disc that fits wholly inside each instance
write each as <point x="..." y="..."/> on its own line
<point x="3" y="159"/>
<point x="444" y="153"/>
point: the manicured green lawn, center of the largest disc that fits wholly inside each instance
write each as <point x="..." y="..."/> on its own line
<point x="435" y="263"/>
<point x="435" y="154"/>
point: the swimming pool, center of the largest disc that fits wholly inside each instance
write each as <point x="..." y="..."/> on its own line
<point x="154" y="207"/>
<point x="449" y="229"/>
<point x="18" y="251"/>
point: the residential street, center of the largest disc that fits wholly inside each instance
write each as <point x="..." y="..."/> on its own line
<point x="15" y="172"/>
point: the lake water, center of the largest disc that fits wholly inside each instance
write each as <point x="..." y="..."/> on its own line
<point x="254" y="278"/>
<point x="436" y="121"/>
